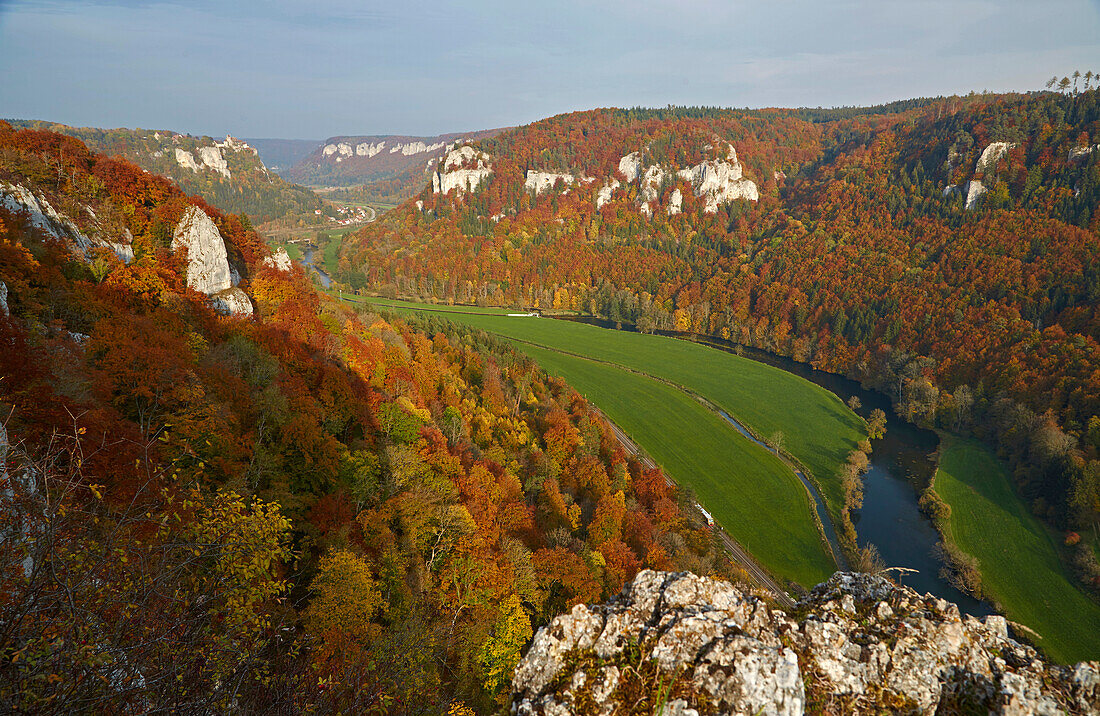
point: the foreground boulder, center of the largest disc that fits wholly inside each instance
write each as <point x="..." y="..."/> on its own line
<point x="688" y="645"/>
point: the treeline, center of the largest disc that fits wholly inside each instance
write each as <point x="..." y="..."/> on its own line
<point x="857" y="258"/>
<point x="312" y="510"/>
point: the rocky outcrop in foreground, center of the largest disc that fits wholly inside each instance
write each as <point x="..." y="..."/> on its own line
<point x="687" y="645"/>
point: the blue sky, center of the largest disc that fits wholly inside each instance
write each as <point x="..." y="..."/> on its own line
<point x="277" y="68"/>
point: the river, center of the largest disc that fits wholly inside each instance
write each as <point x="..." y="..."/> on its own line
<point x="307" y="261"/>
<point x="901" y="466"/>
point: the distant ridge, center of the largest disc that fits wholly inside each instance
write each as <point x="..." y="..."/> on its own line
<point x="390" y="167"/>
<point x="229" y="174"/>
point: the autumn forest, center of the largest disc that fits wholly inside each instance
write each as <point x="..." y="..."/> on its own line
<point x="224" y="488"/>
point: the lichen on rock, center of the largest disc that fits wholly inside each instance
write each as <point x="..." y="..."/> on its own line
<point x="860" y="644"/>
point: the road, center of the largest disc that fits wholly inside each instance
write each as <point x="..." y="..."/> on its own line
<point x="736" y="551"/>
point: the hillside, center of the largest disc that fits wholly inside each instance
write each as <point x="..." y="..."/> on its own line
<point x="943" y="251"/>
<point x="281" y="494"/>
<point x="228" y="174"/>
<point x="390" y="168"/>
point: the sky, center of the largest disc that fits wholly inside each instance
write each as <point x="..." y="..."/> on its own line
<point x="310" y="70"/>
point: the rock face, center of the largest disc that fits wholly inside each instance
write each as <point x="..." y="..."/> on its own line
<point x="463" y="170"/>
<point x="544" y="181"/>
<point x="280" y="260"/>
<point x="974" y="191"/>
<point x="207" y="262"/>
<point x="987" y="162"/>
<point x="630" y="167"/>
<point x="862" y="645"/>
<point x="675" y="202"/>
<point x="604" y="194"/>
<point x="3" y="299"/>
<point x="186" y="159"/>
<point x="1078" y="153"/>
<point x="991" y="155"/>
<point x="42" y="215"/>
<point x="213" y="158"/>
<point x="716" y="180"/>
<point x="720" y="181"/>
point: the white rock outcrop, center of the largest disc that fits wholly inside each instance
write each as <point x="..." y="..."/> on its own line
<point x="675" y="202"/>
<point x="991" y="155"/>
<point x="368" y="149"/>
<point x="464" y="169"/>
<point x="544" y="181"/>
<point x="417" y="147"/>
<point x="974" y="191"/>
<point x="651" y="183"/>
<point x="208" y="263"/>
<point x="630" y="167"/>
<point x="987" y="162"/>
<point x="861" y="646"/>
<point x="4" y="299"/>
<point x="279" y="260"/>
<point x="1078" y="153"/>
<point x="213" y="158"/>
<point x="232" y="302"/>
<point x="720" y="181"/>
<point x="717" y="180"/>
<point x="42" y="215"/>
<point x="186" y="160"/>
<point x="605" y="192"/>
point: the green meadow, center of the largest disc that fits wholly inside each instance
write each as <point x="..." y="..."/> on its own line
<point x="749" y="491"/>
<point x="1017" y="555"/>
<point x="818" y="429"/>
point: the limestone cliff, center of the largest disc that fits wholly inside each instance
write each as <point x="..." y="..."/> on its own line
<point x="463" y="170"/>
<point x="227" y="174"/>
<point x="42" y="215"/>
<point x="544" y="181"/>
<point x="717" y="181"/>
<point x="686" y="645"/>
<point x="208" y="268"/>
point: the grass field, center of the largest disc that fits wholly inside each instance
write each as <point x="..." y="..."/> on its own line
<point x="753" y="495"/>
<point x="331" y="254"/>
<point x="1017" y="554"/>
<point x="818" y="429"/>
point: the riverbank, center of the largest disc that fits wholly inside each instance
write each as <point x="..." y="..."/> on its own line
<point x="1016" y="554"/>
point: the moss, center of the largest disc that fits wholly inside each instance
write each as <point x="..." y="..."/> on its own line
<point x="643" y="686"/>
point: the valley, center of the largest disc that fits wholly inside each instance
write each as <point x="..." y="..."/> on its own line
<point x="688" y="409"/>
<point x="1021" y="571"/>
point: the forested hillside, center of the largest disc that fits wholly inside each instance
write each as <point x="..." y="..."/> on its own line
<point x="304" y="509"/>
<point x="228" y="174"/>
<point x="942" y="250"/>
